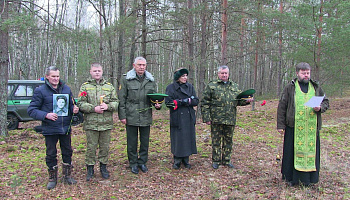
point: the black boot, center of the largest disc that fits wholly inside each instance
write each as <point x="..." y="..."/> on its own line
<point x="177" y="162"/>
<point x="67" y="171"/>
<point x="90" y="172"/>
<point x="104" y="171"/>
<point x="186" y="161"/>
<point x="52" y="178"/>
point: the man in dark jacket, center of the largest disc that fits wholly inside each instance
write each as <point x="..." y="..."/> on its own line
<point x="54" y="128"/>
<point x="300" y="126"/>
<point x="219" y="107"/>
<point x="134" y="113"/>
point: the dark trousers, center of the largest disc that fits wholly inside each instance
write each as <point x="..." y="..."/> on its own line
<point x="51" y="150"/>
<point x="178" y="160"/>
<point x="132" y="133"/>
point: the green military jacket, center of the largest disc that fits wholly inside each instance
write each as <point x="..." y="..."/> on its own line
<point x="133" y="99"/>
<point x="219" y="102"/>
<point x="87" y="104"/>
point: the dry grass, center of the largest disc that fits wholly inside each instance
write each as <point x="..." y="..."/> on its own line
<point x="257" y="175"/>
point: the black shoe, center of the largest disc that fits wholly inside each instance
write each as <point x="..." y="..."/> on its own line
<point x="188" y="166"/>
<point x="176" y="165"/>
<point x="143" y="168"/>
<point x="230" y="165"/>
<point x="104" y="171"/>
<point x="90" y="172"/>
<point x="135" y="169"/>
<point x="215" y="165"/>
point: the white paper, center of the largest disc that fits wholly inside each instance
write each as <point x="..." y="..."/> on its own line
<point x="315" y="101"/>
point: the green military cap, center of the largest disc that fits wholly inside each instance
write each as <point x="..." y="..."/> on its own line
<point x="157" y="97"/>
<point x="245" y="94"/>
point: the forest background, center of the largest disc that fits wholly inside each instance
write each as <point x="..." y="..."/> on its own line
<point x="260" y="40"/>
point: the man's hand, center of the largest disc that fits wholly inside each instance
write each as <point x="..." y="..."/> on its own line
<point x="75" y="109"/>
<point x="51" y="116"/>
<point x="281" y="131"/>
<point x="104" y="106"/>
<point x="123" y="121"/>
<point x="250" y="100"/>
<point x="98" y="109"/>
<point x="317" y="108"/>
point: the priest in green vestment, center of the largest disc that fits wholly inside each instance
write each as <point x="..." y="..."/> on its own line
<point x="301" y="126"/>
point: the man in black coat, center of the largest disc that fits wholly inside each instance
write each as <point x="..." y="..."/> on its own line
<point x="55" y="128"/>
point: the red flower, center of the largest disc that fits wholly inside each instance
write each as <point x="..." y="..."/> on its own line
<point x="175" y="103"/>
<point x="263" y="103"/>
<point x="83" y="94"/>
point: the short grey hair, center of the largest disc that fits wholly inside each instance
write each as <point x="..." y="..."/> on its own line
<point x="139" y="58"/>
<point x="51" y="68"/>
<point x="302" y="66"/>
<point x="223" y="67"/>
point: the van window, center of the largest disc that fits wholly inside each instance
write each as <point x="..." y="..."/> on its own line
<point x="24" y="91"/>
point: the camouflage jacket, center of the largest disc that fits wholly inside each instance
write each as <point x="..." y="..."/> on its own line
<point x="87" y="104"/>
<point x="133" y="99"/>
<point x="219" y="102"/>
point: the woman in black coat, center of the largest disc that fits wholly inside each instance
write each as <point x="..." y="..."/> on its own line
<point x="182" y="97"/>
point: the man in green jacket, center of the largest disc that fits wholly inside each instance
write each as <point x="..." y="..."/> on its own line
<point x="134" y="113"/>
<point x="98" y="101"/>
<point x="219" y="110"/>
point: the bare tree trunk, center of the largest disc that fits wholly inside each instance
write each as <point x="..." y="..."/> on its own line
<point x="133" y="36"/>
<point x="279" y="67"/>
<point x="4" y="63"/>
<point x="203" y="63"/>
<point x="101" y="35"/>
<point x="242" y="66"/>
<point x="319" y="42"/>
<point x="224" y="33"/>
<point x="120" y="43"/>
<point x="144" y="29"/>
<point x="190" y="43"/>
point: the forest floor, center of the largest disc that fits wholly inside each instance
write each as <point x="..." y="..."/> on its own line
<point x="23" y="173"/>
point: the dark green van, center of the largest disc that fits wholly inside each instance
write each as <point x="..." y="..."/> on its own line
<point x="19" y="95"/>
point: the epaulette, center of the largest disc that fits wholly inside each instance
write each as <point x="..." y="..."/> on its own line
<point x="85" y="83"/>
<point x="108" y="83"/>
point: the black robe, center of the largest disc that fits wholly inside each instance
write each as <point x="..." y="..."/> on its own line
<point x="183" y="119"/>
<point x="289" y="173"/>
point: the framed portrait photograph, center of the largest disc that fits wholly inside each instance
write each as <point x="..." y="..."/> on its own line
<point x="60" y="104"/>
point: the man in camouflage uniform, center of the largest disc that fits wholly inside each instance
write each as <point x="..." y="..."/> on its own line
<point x="134" y="112"/>
<point x="219" y="110"/>
<point x="98" y="101"/>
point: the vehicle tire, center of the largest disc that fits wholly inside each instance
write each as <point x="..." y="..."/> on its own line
<point x="77" y="118"/>
<point x="12" y="121"/>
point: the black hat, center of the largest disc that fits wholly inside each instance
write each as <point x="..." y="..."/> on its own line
<point x="157" y="98"/>
<point x="246" y="94"/>
<point x="179" y="73"/>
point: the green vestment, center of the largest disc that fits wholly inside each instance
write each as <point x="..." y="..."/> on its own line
<point x="304" y="131"/>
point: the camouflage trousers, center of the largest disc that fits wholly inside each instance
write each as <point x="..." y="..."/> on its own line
<point x="97" y="139"/>
<point x="221" y="135"/>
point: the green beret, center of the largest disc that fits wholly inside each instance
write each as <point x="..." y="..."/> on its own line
<point x="179" y="73"/>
